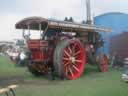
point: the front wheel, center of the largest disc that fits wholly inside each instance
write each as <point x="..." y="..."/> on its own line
<point x="33" y="71"/>
<point x="32" y="68"/>
<point x="69" y="59"/>
<point x="102" y="63"/>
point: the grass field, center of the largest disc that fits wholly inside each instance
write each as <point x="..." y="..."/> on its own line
<point x="92" y="83"/>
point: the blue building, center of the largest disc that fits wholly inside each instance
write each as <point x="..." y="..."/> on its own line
<point x="118" y="22"/>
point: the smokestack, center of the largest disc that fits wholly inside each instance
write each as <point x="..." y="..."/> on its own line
<point x="88" y="8"/>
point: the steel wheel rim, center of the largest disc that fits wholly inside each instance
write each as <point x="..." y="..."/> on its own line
<point x="73" y="59"/>
<point x="104" y="63"/>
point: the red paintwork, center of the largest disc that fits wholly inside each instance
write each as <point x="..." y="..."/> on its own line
<point x="37" y="48"/>
<point x="104" y="63"/>
<point x="74" y="70"/>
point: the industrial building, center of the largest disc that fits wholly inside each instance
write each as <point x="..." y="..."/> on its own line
<point x="119" y="45"/>
<point x="117" y="40"/>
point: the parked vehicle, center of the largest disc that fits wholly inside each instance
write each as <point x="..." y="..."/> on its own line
<point x="64" y="48"/>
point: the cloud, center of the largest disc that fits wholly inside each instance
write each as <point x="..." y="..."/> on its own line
<point x="7" y="27"/>
<point x="104" y="6"/>
<point x="46" y="8"/>
<point x="14" y="10"/>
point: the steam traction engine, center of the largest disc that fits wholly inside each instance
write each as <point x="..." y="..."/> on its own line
<point x="64" y="48"/>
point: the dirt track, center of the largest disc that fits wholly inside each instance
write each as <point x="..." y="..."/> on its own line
<point x="5" y="81"/>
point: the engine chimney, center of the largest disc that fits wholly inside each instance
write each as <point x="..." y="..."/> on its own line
<point x="88" y="10"/>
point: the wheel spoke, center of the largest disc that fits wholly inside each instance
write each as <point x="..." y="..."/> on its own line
<point x="76" y="68"/>
<point x="66" y="53"/>
<point x="73" y="48"/>
<point x="79" y="61"/>
<point x="66" y="59"/>
<point x="70" y="51"/>
<point x="70" y="70"/>
<point x="77" y="53"/>
<point x="66" y="64"/>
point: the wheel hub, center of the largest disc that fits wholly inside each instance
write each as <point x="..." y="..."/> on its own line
<point x="72" y="59"/>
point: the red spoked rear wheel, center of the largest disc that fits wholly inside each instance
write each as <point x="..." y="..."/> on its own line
<point x="71" y="59"/>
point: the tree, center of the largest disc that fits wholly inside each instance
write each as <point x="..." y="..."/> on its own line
<point x="66" y="19"/>
<point x="71" y="19"/>
<point x="83" y="22"/>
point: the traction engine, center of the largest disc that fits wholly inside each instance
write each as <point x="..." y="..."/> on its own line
<point x="64" y="48"/>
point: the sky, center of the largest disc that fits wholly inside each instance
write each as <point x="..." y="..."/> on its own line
<point x="11" y="11"/>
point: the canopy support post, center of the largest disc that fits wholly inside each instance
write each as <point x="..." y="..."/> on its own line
<point x="45" y="31"/>
<point x="40" y="29"/>
<point x="23" y="33"/>
<point x="28" y="31"/>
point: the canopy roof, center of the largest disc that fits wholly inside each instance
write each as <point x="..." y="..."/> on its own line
<point x="34" y="23"/>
